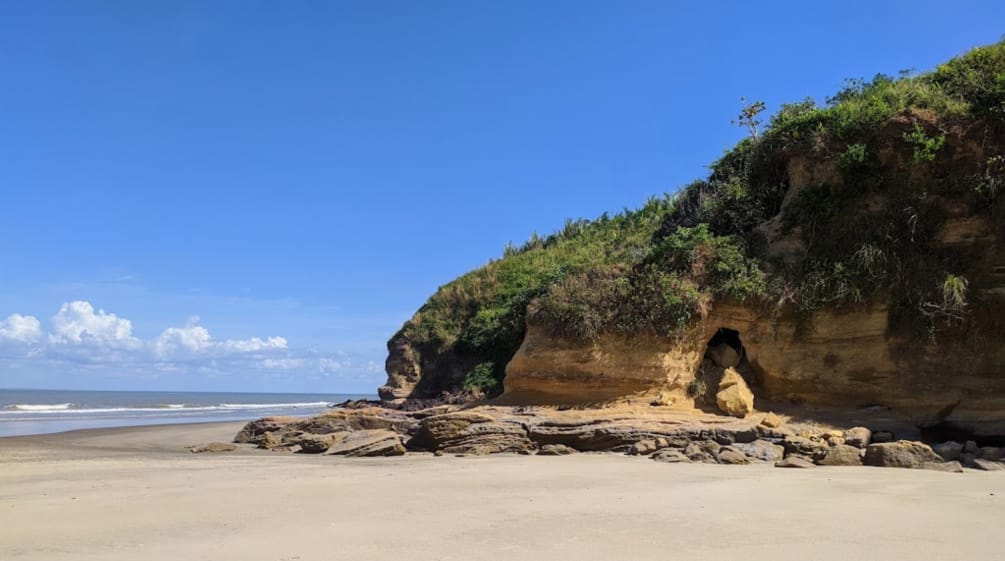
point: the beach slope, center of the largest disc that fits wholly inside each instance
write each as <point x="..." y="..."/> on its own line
<point x="136" y="493"/>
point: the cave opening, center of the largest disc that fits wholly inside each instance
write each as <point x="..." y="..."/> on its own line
<point x="725" y="350"/>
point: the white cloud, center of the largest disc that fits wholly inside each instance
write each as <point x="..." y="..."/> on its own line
<point x="20" y="329"/>
<point x="76" y="322"/>
<point x="89" y="341"/>
<point x="194" y="339"/>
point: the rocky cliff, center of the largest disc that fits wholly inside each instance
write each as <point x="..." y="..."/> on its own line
<point x="848" y="256"/>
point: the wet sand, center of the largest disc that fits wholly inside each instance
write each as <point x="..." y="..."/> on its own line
<point x="136" y="493"/>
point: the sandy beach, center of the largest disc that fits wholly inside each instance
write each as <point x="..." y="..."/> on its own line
<point x="135" y="493"/>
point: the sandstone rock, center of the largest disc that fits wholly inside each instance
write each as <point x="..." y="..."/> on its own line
<point x="270" y="440"/>
<point x="762" y="450"/>
<point x="858" y="437"/>
<point x="903" y="454"/>
<point x="671" y="456"/>
<point x="971" y="448"/>
<point x="992" y="453"/>
<point x="950" y="467"/>
<point x="702" y="452"/>
<point x="723" y="356"/>
<point x="835" y="441"/>
<point x="556" y="450"/>
<point x="771" y="421"/>
<point x="730" y="455"/>
<point x="643" y="447"/>
<point x="841" y="455"/>
<point x="988" y="465"/>
<point x="882" y="436"/>
<point x="794" y="462"/>
<point x="663" y="399"/>
<point x="366" y="443"/>
<point x="967" y="459"/>
<point x="803" y="446"/>
<point x="213" y="447"/>
<point x="312" y="443"/>
<point x="948" y="450"/>
<point x="254" y="430"/>
<point x="466" y="432"/>
<point x="734" y="397"/>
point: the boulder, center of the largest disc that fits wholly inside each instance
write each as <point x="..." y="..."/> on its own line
<point x="212" y="447"/>
<point x="703" y="452"/>
<point x="992" y="453"/>
<point x="671" y="456"/>
<point x="366" y="443"/>
<point x="971" y="448"/>
<point x="254" y="430"/>
<point x="794" y="462"/>
<point x="804" y="446"/>
<point x="967" y="459"/>
<point x="644" y="447"/>
<point x="902" y="454"/>
<point x="312" y="443"/>
<point x="858" y="437"/>
<point x="841" y="455"/>
<point x="734" y="397"/>
<point x="723" y="355"/>
<point x="771" y="421"/>
<point x="556" y="450"/>
<point x="761" y="450"/>
<point x="988" y="465"/>
<point x="948" y="450"/>
<point x="732" y="456"/>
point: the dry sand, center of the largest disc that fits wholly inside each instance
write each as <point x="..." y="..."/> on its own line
<point x="135" y="494"/>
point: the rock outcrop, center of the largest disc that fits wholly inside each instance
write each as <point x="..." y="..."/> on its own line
<point x="734" y="397"/>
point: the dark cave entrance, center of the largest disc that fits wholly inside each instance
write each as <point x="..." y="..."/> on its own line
<point x="725" y="350"/>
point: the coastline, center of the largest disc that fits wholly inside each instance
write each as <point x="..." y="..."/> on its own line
<point x="136" y="493"/>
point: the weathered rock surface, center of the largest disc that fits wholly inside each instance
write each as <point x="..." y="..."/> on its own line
<point x="948" y="450"/>
<point x="902" y="454"/>
<point x="213" y="447"/>
<point x="732" y="456"/>
<point x="551" y="370"/>
<point x="859" y="437"/>
<point x="761" y="450"/>
<point x="556" y="450"/>
<point x="671" y="456"/>
<point x="733" y="396"/>
<point x="804" y="446"/>
<point x="471" y="433"/>
<point x="255" y="430"/>
<point x="841" y="455"/>
<point x="723" y="356"/>
<point x="366" y="443"/>
<point x="311" y="443"/>
<point x="771" y="421"/>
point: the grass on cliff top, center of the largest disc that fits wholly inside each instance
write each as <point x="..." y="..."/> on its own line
<point x="654" y="269"/>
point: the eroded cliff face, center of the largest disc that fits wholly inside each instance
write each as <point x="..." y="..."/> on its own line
<point x="837" y="359"/>
<point x="547" y="369"/>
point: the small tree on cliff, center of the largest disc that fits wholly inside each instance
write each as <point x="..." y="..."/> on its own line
<point x="748" y="116"/>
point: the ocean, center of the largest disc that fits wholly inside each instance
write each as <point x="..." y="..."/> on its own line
<point x="24" y="412"/>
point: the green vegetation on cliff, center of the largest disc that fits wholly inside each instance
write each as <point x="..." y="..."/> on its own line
<point x="827" y="207"/>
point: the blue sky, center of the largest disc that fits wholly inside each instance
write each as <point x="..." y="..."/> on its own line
<point x="255" y="195"/>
